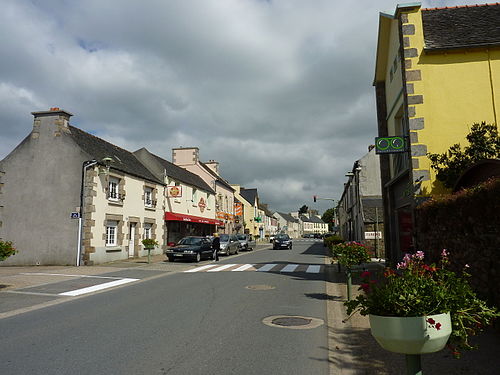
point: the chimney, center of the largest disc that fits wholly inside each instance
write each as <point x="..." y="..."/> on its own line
<point x="55" y="120"/>
<point x="185" y="155"/>
<point x="213" y="165"/>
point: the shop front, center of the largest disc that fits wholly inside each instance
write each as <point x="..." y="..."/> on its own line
<point x="181" y="225"/>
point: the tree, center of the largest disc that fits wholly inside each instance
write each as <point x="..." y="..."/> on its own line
<point x="484" y="143"/>
<point x="303" y="209"/>
<point x="328" y="217"/>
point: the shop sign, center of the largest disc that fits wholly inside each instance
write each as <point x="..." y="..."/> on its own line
<point x="202" y="204"/>
<point x="174" y="191"/>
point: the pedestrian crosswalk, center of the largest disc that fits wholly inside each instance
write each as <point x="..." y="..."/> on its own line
<point x="269" y="267"/>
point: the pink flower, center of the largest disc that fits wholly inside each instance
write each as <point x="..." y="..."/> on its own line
<point x="444" y="253"/>
<point x="419" y="255"/>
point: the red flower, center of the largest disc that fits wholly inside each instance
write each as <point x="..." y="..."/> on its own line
<point x="438" y="326"/>
<point x="431" y="321"/>
<point x="365" y="274"/>
<point x="365" y="287"/>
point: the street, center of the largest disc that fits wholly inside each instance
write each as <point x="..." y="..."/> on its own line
<point x="206" y="321"/>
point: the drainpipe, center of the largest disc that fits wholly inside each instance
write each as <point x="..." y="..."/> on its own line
<point x="86" y="164"/>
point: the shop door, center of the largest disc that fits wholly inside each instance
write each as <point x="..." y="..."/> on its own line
<point x="131" y="243"/>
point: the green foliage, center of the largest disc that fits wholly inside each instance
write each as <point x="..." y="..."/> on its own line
<point x="418" y="289"/>
<point x="350" y="253"/>
<point x="149" y="243"/>
<point x="303" y="209"/>
<point x="6" y="250"/>
<point x="484" y="143"/>
<point x="331" y="241"/>
<point x="328" y="217"/>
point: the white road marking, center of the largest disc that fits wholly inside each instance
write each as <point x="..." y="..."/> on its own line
<point x="290" y="268"/>
<point x="222" y="267"/>
<point x="313" y="269"/>
<point x="267" y="267"/>
<point x="66" y="275"/>
<point x="243" y="267"/>
<point x="90" y="289"/>
<point x="201" y="268"/>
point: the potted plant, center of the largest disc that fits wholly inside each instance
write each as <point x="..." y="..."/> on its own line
<point x="6" y="250"/>
<point x="350" y="254"/>
<point x="149" y="244"/>
<point x="420" y="308"/>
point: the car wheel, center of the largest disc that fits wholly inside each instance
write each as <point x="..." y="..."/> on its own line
<point x="198" y="257"/>
<point x="170" y="259"/>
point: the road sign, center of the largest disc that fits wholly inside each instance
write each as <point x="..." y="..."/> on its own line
<point x="373" y="235"/>
<point x="75" y="215"/>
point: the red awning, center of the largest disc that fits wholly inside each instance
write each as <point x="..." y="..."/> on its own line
<point x="170" y="216"/>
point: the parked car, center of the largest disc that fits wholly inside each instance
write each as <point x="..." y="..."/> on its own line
<point x="192" y="248"/>
<point x="282" y="241"/>
<point x="229" y="244"/>
<point x="247" y="242"/>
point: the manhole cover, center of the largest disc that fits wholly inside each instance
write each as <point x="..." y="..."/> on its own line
<point x="292" y="322"/>
<point x="260" y="287"/>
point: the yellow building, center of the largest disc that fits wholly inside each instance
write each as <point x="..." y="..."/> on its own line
<point x="437" y="72"/>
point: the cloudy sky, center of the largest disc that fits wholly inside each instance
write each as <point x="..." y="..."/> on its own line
<point x="278" y="91"/>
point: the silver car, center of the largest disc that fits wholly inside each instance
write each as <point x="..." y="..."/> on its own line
<point x="247" y="242"/>
<point x="229" y="244"/>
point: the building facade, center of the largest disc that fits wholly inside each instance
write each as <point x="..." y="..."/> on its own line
<point x="70" y="198"/>
<point x="360" y="208"/>
<point x="188" y="158"/>
<point x="437" y="72"/>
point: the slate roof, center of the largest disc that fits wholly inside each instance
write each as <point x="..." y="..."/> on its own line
<point x="316" y="219"/>
<point x="288" y="217"/>
<point x="461" y="27"/>
<point x="183" y="175"/>
<point x="218" y="179"/>
<point x="250" y="195"/>
<point x="99" y="149"/>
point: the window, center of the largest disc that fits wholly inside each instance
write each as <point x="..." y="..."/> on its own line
<point x="148" y="197"/>
<point x="113" y="188"/>
<point x="148" y="230"/>
<point x="111" y="232"/>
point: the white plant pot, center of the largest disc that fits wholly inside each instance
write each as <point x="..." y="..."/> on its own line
<point x="411" y="335"/>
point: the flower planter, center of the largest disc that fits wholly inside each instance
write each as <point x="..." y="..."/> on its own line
<point x="411" y="335"/>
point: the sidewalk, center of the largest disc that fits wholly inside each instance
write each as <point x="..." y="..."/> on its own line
<point x="354" y="351"/>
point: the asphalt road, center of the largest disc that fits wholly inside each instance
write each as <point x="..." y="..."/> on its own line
<point x="183" y="323"/>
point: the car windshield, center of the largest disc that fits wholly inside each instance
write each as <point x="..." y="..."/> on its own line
<point x="190" y="241"/>
<point x="242" y="237"/>
<point x="282" y="237"/>
<point x="224" y="238"/>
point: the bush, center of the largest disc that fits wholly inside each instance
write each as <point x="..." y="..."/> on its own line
<point x="332" y="240"/>
<point x="6" y="250"/>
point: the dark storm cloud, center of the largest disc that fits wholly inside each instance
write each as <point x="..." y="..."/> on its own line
<point x="279" y="92"/>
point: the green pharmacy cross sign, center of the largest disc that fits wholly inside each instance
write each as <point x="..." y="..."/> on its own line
<point x="391" y="145"/>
